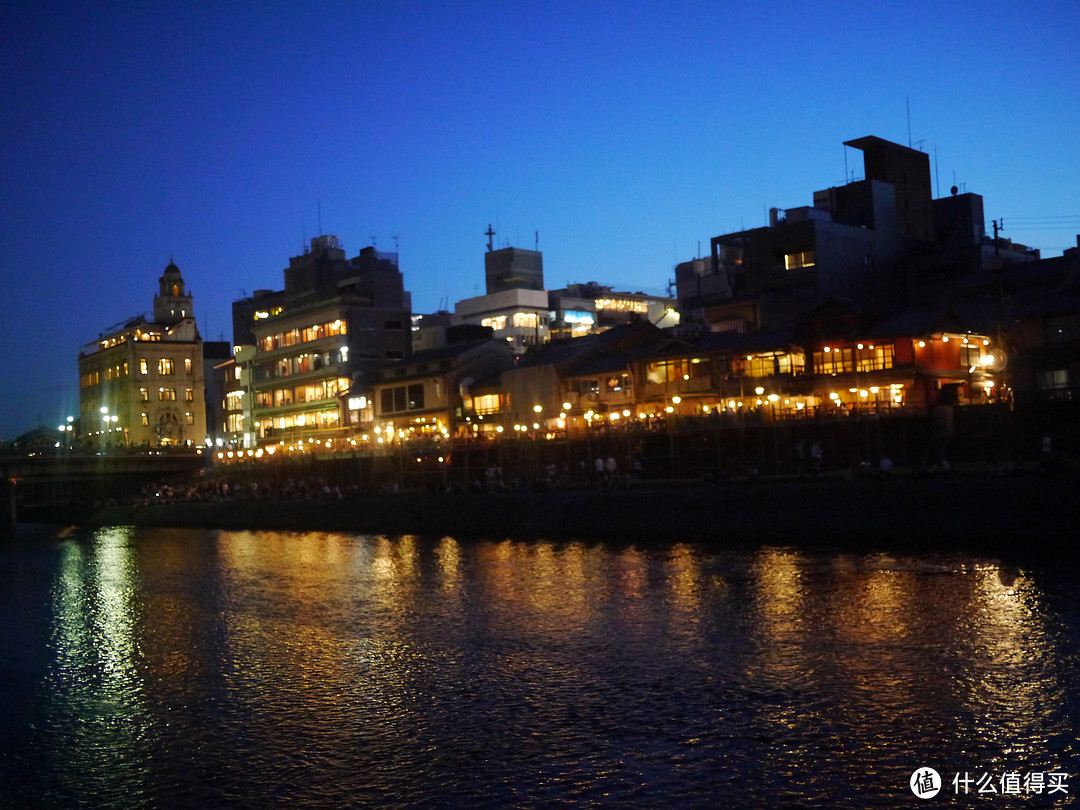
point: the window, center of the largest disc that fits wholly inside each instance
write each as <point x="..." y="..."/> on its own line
<point x="525" y="320"/>
<point x="798" y="259"/>
<point x="416" y="397"/>
<point x="971" y="355"/>
<point x="144" y="395"/>
<point x="145" y="419"/>
<point x="497" y="323"/>
<point x="877" y="357"/>
<point x="189" y="395"/>
<point x="166" y="366"/>
<point x="1053" y="384"/>
<point x="394" y="354"/>
<point x="402" y="398"/>
<point x="189" y="417"/>
<point x="144" y="365"/>
<point x="187" y="365"/>
<point x="392" y="325"/>
<point x="617" y="382"/>
<point x="667" y="371"/>
<point x="833" y="360"/>
<point x="486" y="403"/>
<point x="166" y="395"/>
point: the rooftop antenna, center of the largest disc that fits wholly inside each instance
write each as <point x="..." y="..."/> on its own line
<point x="937" y="179"/>
<point x="395" y="243"/>
<point x="907" y="101"/>
<point x="537" y="234"/>
<point x="490" y="234"/>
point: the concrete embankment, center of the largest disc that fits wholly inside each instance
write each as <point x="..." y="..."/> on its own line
<point x="1022" y="515"/>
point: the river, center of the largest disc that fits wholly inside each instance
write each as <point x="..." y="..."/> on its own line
<point x="193" y="668"/>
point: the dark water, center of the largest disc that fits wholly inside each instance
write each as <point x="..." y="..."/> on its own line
<point x="207" y="669"/>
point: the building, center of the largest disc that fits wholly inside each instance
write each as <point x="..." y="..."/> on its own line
<point x="142" y="381"/>
<point x="515" y="305"/>
<point x="322" y="337"/>
<point x="583" y="309"/>
<point x="429" y="395"/>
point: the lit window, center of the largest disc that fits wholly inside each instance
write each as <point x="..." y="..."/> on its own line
<point x="190" y="418"/>
<point x="144" y="365"/>
<point x="187" y="365"/>
<point x="145" y="419"/>
<point x="189" y="394"/>
<point x="166" y="366"/>
<point x="144" y="395"/>
<point x="800" y="258"/>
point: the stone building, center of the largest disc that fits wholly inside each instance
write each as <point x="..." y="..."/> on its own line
<point x="142" y="381"/>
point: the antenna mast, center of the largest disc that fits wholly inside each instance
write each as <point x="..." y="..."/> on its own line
<point x="907" y="101"/>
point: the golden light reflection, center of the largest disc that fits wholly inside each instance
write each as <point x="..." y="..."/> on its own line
<point x="780" y="592"/>
<point x="448" y="554"/>
<point x="684" y="581"/>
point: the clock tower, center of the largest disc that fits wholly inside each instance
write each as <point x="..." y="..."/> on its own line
<point x="172" y="304"/>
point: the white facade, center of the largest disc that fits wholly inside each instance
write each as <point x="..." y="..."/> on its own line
<point x="520" y="317"/>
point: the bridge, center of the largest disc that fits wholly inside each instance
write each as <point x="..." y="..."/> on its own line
<point x="41" y="481"/>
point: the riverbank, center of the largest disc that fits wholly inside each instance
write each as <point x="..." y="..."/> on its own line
<point x="999" y="515"/>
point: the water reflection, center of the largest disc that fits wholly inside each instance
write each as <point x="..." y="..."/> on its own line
<point x="331" y="670"/>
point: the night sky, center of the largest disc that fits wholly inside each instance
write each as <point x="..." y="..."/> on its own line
<point x="224" y="136"/>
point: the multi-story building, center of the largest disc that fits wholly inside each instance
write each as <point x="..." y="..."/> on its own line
<point x="142" y="382"/>
<point x="323" y="337"/>
<point x="515" y="305"/>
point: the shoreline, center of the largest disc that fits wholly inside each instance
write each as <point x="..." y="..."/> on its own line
<point x="1013" y="516"/>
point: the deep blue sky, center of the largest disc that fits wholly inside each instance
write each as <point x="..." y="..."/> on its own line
<point x="625" y="133"/>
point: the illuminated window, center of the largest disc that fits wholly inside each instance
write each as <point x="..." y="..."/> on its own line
<point x="144" y="395"/>
<point x="834" y="361"/>
<point x="682" y="368"/>
<point x="166" y="366"/>
<point x="878" y="357"/>
<point x="144" y="365"/>
<point x="166" y="395"/>
<point x="486" y="403"/>
<point x="189" y="417"/>
<point x="527" y="320"/>
<point x="800" y="258"/>
<point x="617" y="382"/>
<point x="621" y="305"/>
<point x="145" y="419"/>
<point x="498" y="323"/>
<point x="189" y="394"/>
<point x="187" y="365"/>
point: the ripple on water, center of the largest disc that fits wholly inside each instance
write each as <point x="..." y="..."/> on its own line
<point x="271" y="669"/>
